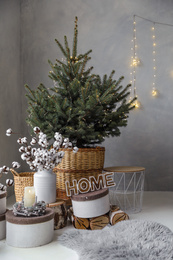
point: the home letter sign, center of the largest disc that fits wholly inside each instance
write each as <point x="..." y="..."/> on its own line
<point x="85" y="185"/>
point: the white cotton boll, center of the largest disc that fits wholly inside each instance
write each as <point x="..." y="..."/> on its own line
<point x="38" y="160"/>
<point x="58" y="160"/>
<point x="56" y="145"/>
<point x="75" y="149"/>
<point x="33" y="141"/>
<point x="24" y="156"/>
<point x="36" y="130"/>
<point x="65" y="145"/>
<point x="52" y="151"/>
<point x="40" y="135"/>
<point x="58" y="137"/>
<point x="33" y="150"/>
<point x="51" y="166"/>
<point x="61" y="154"/>
<point x="35" y="165"/>
<point x="24" y="140"/>
<point x="9" y="132"/>
<point x="22" y="149"/>
<point x="69" y="144"/>
<point x="40" y="167"/>
<point x="46" y="167"/>
<point x="9" y="182"/>
<point x="40" y="141"/>
<point x="15" y="165"/>
<point x="28" y="159"/>
<point x="3" y="187"/>
<point x="44" y="136"/>
<point x="1" y="169"/>
<point x="66" y="140"/>
<point x="28" y="148"/>
<point x="43" y="143"/>
<point x="32" y="168"/>
<point x="19" y="141"/>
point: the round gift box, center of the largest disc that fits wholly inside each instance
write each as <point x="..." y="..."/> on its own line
<point x="3" y="195"/>
<point x="29" y="231"/>
<point x="2" y="226"/>
<point x="91" y="204"/>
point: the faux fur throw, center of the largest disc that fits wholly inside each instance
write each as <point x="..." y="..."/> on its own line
<point x="127" y="240"/>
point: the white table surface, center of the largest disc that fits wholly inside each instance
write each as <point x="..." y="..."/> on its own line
<point x="157" y="206"/>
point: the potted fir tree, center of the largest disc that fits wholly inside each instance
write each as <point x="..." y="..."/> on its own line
<point x="82" y="107"/>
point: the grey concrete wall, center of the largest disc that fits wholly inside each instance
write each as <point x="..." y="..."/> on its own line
<point x="10" y="88"/>
<point x="106" y="27"/>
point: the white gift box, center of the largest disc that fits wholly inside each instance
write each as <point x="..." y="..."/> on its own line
<point x="91" y="204"/>
<point x="29" y="231"/>
<point x="3" y="195"/>
<point x="2" y="226"/>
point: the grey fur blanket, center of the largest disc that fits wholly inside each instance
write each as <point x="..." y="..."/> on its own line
<point x="127" y="240"/>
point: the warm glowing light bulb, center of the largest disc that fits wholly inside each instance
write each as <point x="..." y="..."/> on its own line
<point x="135" y="62"/>
<point x="154" y="92"/>
<point x="137" y="104"/>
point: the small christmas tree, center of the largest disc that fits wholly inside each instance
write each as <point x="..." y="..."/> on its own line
<point x="81" y="105"/>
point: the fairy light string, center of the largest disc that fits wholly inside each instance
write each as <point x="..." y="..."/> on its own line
<point x="135" y="61"/>
<point x="154" y="89"/>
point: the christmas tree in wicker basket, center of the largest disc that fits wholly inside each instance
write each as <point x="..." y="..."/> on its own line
<point x="81" y="106"/>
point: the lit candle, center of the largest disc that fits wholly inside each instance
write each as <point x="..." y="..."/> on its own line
<point x="29" y="196"/>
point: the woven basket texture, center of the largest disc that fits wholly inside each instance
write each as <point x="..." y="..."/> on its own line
<point x="86" y="162"/>
<point x="22" y="180"/>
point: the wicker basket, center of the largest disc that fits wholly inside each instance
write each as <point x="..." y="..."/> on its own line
<point x="86" y="162"/>
<point x="21" y="181"/>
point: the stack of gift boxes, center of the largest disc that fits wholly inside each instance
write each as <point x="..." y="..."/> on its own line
<point x="93" y="211"/>
<point x="91" y="208"/>
<point x="2" y="214"/>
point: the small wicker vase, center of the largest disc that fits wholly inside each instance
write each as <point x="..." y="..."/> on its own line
<point x="86" y="162"/>
<point x="22" y="180"/>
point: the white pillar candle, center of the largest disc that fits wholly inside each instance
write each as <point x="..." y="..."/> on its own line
<point x="29" y="196"/>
